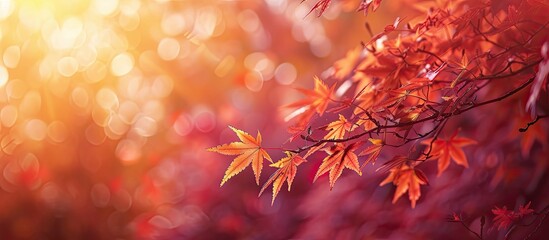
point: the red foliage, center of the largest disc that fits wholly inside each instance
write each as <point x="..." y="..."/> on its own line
<point x="460" y="65"/>
<point x="504" y="218"/>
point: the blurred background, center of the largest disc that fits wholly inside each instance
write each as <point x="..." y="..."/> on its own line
<point x="107" y="107"/>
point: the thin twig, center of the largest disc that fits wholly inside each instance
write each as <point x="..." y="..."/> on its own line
<point x="469" y="229"/>
<point x="538" y="117"/>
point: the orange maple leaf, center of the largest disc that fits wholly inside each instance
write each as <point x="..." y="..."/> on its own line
<point x="249" y="151"/>
<point x="367" y="123"/>
<point x="373" y="151"/>
<point x="338" y="128"/>
<point x="451" y="148"/>
<point x="339" y="157"/>
<point x="407" y="179"/>
<point x="287" y="168"/>
<point x="317" y="99"/>
<point x="368" y="99"/>
<point x="346" y="66"/>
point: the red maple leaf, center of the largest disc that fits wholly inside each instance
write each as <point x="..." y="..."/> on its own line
<point x="448" y="149"/>
<point x="504" y="217"/>
<point x="407" y="179"/>
<point x="525" y="210"/>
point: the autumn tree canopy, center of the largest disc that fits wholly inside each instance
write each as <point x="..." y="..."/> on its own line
<point x="450" y="88"/>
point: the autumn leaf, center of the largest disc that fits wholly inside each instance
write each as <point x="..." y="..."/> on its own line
<point x="344" y="67"/>
<point x="287" y="168"/>
<point x="504" y="217"/>
<point x="337" y="129"/>
<point x="314" y="149"/>
<point x="374" y="150"/>
<point x="406" y="179"/>
<point x="525" y="210"/>
<point x="339" y="157"/>
<point x="462" y="63"/>
<point x="461" y="66"/>
<point x="365" y="5"/>
<point x="301" y="125"/>
<point x="445" y="150"/>
<point x="394" y="97"/>
<point x="317" y="99"/>
<point x="367" y="123"/>
<point x="367" y="99"/>
<point x="396" y="162"/>
<point x="321" y="5"/>
<point x="388" y="29"/>
<point x="249" y="151"/>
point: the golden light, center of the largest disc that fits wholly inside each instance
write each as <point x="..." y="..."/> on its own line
<point x="64" y="62"/>
<point x="4" y="76"/>
<point x="94" y="93"/>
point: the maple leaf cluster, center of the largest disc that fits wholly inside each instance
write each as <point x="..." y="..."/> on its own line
<point x="404" y="91"/>
<point x="505" y="217"/>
